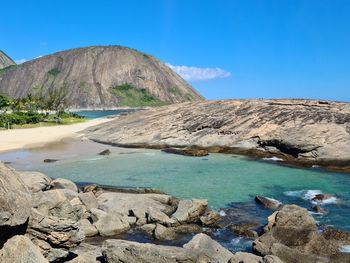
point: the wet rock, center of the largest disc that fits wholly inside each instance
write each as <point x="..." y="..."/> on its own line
<point x="189" y="211"/>
<point x="188" y="151"/>
<point x="267" y="202"/>
<point x="109" y="224"/>
<point x="187" y="229"/>
<point x="19" y="249"/>
<point x="318" y="209"/>
<point x="89" y="200"/>
<point x="319" y="198"/>
<point x="35" y="181"/>
<point x="50" y="160"/>
<point x="89" y="229"/>
<point x="245" y="230"/>
<point x="210" y="218"/>
<point x="61" y="183"/>
<point x="208" y="249"/>
<point x="15" y="199"/>
<point x="163" y="233"/>
<point x="105" y="152"/>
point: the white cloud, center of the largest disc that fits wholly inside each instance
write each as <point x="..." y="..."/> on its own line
<point x="195" y="73"/>
<point x="20" y="61"/>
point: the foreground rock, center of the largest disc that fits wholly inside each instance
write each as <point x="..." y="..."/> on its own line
<point x="36" y="181"/>
<point x="19" y="249"/>
<point x="291" y="234"/>
<point x="15" y="200"/>
<point x="242" y="257"/>
<point x="200" y="249"/>
<point x="305" y="132"/>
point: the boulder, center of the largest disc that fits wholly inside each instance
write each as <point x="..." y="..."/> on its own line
<point x="89" y="229"/>
<point x="19" y="249"/>
<point x="89" y="200"/>
<point x="187" y="229"/>
<point x="189" y="211"/>
<point x="137" y="205"/>
<point x="120" y="251"/>
<point x="54" y="203"/>
<point x="157" y="216"/>
<point x="163" y="233"/>
<point x="109" y="224"/>
<point x="148" y="228"/>
<point x="208" y="249"/>
<point x="243" y="257"/>
<point x="210" y="218"/>
<point x="61" y="183"/>
<point x="267" y="202"/>
<point x="15" y="199"/>
<point x="58" y="232"/>
<point x="245" y="229"/>
<point x="87" y="253"/>
<point x="291" y="234"/>
<point x="35" y="181"/>
<point x="92" y="188"/>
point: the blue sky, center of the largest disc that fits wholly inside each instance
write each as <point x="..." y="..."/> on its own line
<point x="226" y="48"/>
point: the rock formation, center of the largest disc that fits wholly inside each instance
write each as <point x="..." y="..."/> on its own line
<point x="304" y="132"/>
<point x="99" y="77"/>
<point x="5" y="60"/>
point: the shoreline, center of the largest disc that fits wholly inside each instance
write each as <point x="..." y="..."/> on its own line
<point x="40" y="136"/>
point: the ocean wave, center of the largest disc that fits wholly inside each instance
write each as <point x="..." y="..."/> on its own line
<point x="308" y="195"/>
<point x="274" y="158"/>
<point x="345" y="249"/>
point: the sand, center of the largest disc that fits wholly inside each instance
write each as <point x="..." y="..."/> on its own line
<point x="37" y="137"/>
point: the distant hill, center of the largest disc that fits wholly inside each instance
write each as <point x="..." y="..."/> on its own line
<point x="5" y="60"/>
<point x="99" y="77"/>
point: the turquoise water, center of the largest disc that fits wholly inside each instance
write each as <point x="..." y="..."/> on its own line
<point x="93" y="114"/>
<point x="225" y="180"/>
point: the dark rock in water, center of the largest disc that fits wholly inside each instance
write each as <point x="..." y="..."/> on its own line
<point x="291" y="234"/>
<point x="267" y="202"/>
<point x="50" y="160"/>
<point x="105" y="152"/>
<point x="321" y="197"/>
<point x="188" y="151"/>
<point x="245" y="230"/>
<point x="318" y="209"/>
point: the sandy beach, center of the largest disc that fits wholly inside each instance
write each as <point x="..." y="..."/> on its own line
<point x="36" y="137"/>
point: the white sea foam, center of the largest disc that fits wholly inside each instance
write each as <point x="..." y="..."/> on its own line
<point x="345" y="249"/>
<point x="310" y="194"/>
<point x="274" y="200"/>
<point x="236" y="241"/>
<point x="222" y="213"/>
<point x="274" y="158"/>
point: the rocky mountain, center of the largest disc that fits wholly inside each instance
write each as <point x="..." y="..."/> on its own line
<point x="99" y="77"/>
<point x="306" y="132"/>
<point x="5" y="60"/>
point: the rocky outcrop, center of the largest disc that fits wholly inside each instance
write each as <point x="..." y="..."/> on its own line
<point x="303" y="132"/>
<point x="200" y="249"/>
<point x="19" y="249"/>
<point x="91" y="75"/>
<point x="291" y="234"/>
<point x="190" y="151"/>
<point x="5" y="60"/>
<point x="267" y="202"/>
<point x="15" y="202"/>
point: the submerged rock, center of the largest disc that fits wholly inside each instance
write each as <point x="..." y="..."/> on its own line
<point x="105" y="152"/>
<point x="245" y="230"/>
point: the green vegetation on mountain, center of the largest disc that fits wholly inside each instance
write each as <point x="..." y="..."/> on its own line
<point x="134" y="97"/>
